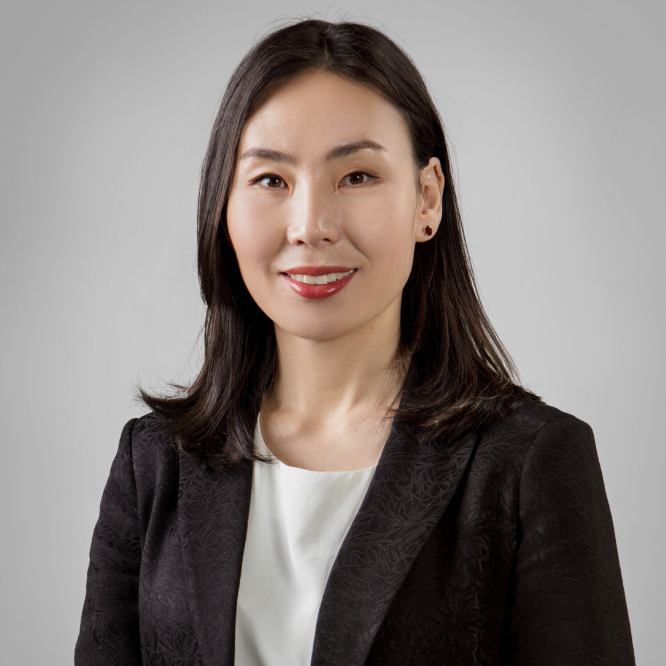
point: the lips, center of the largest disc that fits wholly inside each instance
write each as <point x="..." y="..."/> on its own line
<point x="318" y="291"/>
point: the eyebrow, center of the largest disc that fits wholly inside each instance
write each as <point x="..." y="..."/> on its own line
<point x="342" y="150"/>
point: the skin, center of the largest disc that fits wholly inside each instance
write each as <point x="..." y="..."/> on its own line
<point x="334" y="377"/>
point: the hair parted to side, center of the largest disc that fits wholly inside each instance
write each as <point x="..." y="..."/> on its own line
<point x="459" y="375"/>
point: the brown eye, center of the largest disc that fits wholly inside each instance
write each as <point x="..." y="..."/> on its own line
<point x="357" y="177"/>
<point x="272" y="178"/>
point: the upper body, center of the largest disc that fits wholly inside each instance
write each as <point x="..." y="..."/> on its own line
<point x="337" y="282"/>
<point x="498" y="548"/>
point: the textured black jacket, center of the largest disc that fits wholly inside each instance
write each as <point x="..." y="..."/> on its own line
<point x="497" y="549"/>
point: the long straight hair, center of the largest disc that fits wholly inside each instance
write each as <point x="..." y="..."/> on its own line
<point x="459" y="375"/>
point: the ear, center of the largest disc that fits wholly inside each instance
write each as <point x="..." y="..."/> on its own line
<point x="429" y="205"/>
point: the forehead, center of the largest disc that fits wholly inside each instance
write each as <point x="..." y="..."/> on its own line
<point x="314" y="112"/>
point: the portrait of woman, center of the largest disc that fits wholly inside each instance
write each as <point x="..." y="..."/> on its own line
<point x="356" y="475"/>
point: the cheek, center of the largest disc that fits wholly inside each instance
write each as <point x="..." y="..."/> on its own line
<point x="383" y="232"/>
<point x="256" y="237"/>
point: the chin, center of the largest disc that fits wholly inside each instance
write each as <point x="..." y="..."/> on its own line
<point x="318" y="332"/>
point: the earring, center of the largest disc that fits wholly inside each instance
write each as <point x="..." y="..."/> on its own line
<point x="427" y="230"/>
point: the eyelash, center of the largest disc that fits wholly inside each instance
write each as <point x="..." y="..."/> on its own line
<point x="272" y="175"/>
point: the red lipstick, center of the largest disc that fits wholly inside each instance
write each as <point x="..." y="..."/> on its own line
<point x="318" y="291"/>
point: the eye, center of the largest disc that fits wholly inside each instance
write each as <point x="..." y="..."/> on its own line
<point x="270" y="177"/>
<point x="354" y="177"/>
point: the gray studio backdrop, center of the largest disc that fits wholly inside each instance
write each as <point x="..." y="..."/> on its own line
<point x="554" y="112"/>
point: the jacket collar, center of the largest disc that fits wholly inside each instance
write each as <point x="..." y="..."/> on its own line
<point x="412" y="485"/>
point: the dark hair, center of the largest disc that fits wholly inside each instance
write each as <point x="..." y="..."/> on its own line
<point x="459" y="374"/>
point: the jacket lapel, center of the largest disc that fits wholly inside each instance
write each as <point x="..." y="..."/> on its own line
<point x="409" y="491"/>
<point x="412" y="486"/>
<point x="213" y="509"/>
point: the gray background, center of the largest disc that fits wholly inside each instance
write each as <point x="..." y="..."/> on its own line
<point x="554" y="112"/>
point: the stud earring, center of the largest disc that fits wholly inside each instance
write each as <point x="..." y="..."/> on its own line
<point x="427" y="230"/>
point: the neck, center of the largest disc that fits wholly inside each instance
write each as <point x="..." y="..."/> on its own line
<point x="322" y="381"/>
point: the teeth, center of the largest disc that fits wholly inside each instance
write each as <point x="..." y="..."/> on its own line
<point x="319" y="279"/>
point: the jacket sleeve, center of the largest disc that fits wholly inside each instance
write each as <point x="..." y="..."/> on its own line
<point x="569" y="604"/>
<point x="109" y="632"/>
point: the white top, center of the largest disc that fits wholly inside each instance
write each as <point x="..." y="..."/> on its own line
<point x="297" y="522"/>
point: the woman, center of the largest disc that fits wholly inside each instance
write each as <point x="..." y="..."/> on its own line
<point x="354" y="477"/>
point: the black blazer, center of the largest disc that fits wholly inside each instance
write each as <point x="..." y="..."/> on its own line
<point x="496" y="549"/>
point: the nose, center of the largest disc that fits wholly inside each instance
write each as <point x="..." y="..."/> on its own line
<point x="314" y="214"/>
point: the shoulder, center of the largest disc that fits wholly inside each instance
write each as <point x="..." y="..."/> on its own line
<point x="537" y="430"/>
<point x="153" y="454"/>
<point x="149" y="436"/>
<point x="533" y="420"/>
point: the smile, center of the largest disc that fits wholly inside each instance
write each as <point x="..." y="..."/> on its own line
<point x="316" y="287"/>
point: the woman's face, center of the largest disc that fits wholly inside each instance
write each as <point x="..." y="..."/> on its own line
<point x="307" y="194"/>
